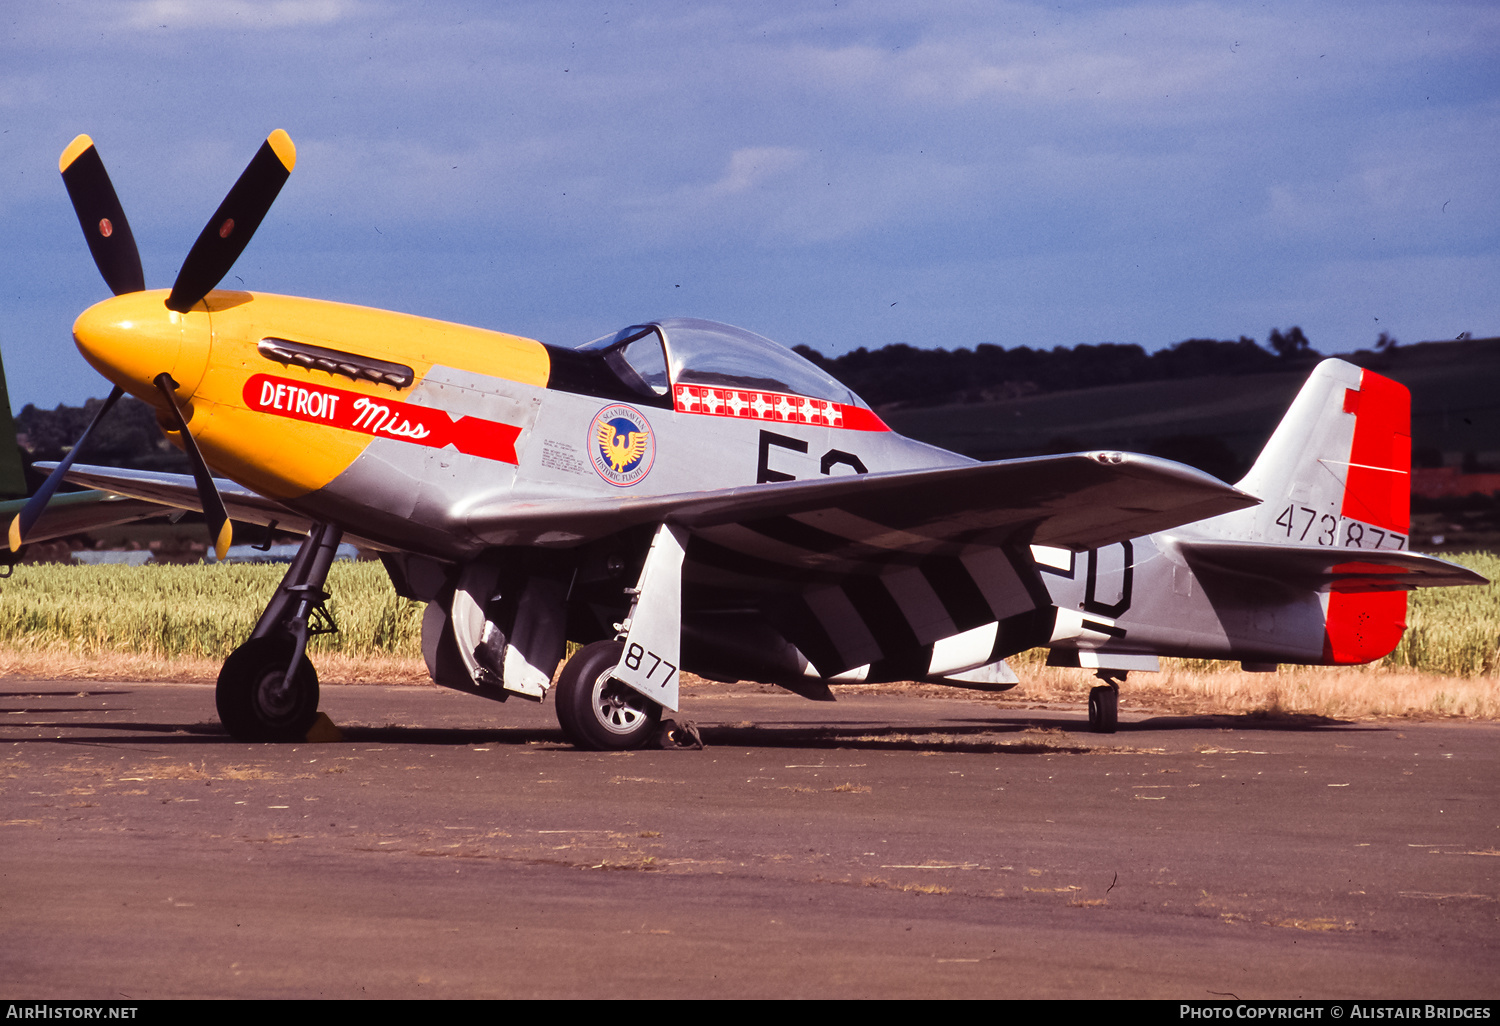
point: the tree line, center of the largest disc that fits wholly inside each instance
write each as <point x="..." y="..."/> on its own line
<point x="908" y="376"/>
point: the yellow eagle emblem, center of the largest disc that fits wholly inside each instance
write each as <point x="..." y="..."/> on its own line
<point x="620" y="443"/>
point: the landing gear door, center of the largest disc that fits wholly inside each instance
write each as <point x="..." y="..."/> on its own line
<point x="653" y="630"/>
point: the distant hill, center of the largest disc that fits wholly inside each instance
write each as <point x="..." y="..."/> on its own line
<point x="1219" y="421"/>
<point x="902" y="375"/>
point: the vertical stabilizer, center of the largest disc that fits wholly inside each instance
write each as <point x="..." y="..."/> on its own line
<point x="1336" y="474"/>
<point x="1336" y="471"/>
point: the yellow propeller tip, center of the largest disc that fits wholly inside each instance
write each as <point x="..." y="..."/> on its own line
<point x="221" y="543"/>
<point x="286" y="150"/>
<point x="72" y="152"/>
<point x="15" y="533"/>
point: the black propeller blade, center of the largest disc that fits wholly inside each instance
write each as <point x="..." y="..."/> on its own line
<point x="113" y="246"/>
<point x="228" y="232"/>
<point x="101" y="217"/>
<point x="27" y="518"/>
<point x="219" y="528"/>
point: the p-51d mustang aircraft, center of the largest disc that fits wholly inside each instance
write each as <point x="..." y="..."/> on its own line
<point x="683" y="495"/>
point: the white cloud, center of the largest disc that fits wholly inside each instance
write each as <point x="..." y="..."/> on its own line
<point x="776" y="195"/>
<point x="263" y="14"/>
<point x="751" y="166"/>
<point x="1198" y="60"/>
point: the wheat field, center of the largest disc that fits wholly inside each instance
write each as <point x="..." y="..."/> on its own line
<point x="163" y="622"/>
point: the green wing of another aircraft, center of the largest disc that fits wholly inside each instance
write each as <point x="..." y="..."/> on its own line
<point x="12" y="475"/>
<point x="68" y="513"/>
<point x="81" y="512"/>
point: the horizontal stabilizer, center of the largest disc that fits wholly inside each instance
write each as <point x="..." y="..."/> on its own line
<point x="1340" y="569"/>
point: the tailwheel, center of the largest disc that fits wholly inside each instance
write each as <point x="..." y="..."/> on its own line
<point x="1104" y="708"/>
<point x="256" y="700"/>
<point x="597" y="712"/>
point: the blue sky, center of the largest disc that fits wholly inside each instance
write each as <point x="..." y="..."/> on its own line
<point x="831" y="174"/>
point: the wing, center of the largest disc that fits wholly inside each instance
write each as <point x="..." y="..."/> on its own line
<point x="887" y="576"/>
<point x="179" y="491"/>
<point x="1077" y="501"/>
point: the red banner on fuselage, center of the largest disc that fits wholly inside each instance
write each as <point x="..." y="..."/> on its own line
<point x="381" y="418"/>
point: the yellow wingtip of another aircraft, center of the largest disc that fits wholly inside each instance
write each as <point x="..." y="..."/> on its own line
<point x="15" y="533"/>
<point x="72" y="151"/>
<point x="221" y="543"/>
<point x="281" y="144"/>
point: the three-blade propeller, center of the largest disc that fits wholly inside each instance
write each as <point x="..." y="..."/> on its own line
<point x="113" y="246"/>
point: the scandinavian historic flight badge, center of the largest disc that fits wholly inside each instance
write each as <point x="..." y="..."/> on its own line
<point x="621" y="445"/>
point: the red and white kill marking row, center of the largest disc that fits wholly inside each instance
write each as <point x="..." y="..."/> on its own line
<point x="734" y="402"/>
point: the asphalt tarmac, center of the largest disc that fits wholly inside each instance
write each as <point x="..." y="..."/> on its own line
<point x="881" y="846"/>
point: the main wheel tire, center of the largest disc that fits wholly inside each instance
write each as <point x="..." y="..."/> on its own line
<point x="597" y="712"/>
<point x="253" y="705"/>
<point x="1104" y="709"/>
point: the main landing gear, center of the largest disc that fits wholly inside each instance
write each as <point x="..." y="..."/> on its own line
<point x="1104" y="702"/>
<point x="596" y="711"/>
<point x="268" y="689"/>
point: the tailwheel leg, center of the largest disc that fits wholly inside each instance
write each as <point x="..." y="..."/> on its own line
<point x="1104" y="702"/>
<point x="268" y="689"/>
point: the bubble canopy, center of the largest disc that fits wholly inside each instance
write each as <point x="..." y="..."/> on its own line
<point x="687" y="351"/>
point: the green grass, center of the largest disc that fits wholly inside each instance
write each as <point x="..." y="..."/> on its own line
<point x="1454" y="631"/>
<point x="193" y="611"/>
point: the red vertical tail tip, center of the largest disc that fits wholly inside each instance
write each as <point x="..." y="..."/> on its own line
<point x="1378" y="490"/>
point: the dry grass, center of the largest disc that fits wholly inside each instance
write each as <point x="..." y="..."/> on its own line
<point x="333" y="668"/>
<point x="1342" y="692"/>
<point x="909" y="888"/>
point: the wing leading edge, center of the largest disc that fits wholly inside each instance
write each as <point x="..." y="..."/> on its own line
<point x="180" y="491"/>
<point x="1077" y="501"/>
<point x="843" y="524"/>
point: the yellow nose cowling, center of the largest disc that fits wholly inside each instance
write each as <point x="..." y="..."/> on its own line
<point x="132" y="338"/>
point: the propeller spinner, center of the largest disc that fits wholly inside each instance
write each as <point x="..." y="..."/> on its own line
<point x="141" y="346"/>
